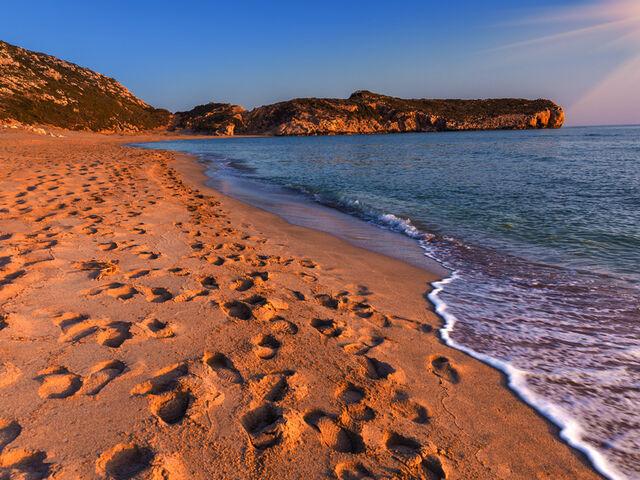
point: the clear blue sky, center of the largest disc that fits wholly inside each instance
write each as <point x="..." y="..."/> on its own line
<point x="179" y="54"/>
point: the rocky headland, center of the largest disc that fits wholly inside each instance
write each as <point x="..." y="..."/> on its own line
<point x="366" y="112"/>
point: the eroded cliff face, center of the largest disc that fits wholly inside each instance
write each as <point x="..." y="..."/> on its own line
<point x="365" y="112"/>
<point x="36" y="88"/>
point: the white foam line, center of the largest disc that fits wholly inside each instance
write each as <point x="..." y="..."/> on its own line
<point x="570" y="430"/>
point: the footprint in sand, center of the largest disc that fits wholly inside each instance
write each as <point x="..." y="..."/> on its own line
<point x="237" y="309"/>
<point x="213" y="259"/>
<point x="409" y="323"/>
<point x="76" y="326"/>
<point x="252" y="260"/>
<point x="147" y="254"/>
<point x="432" y="467"/>
<point x="163" y="380"/>
<point x="209" y="282"/>
<point x="58" y="382"/>
<point x="266" y="346"/>
<point x="98" y="269"/>
<point x="197" y="246"/>
<point x="283" y="326"/>
<point x="139" y="273"/>
<point x="171" y="407"/>
<point x="326" y="327"/>
<point x="179" y="271"/>
<point x="441" y="366"/>
<point x="363" y="345"/>
<point x="11" y="278"/>
<point x="24" y="464"/>
<point x="190" y="295"/>
<point x="157" y="294"/>
<point x="222" y="366"/>
<point x="255" y="301"/>
<point x="263" y="276"/>
<point x="376" y="369"/>
<point x="404" y="407"/>
<point x="9" y="431"/>
<point x="108" y="246"/>
<point x="117" y="290"/>
<point x="243" y="284"/>
<point x="157" y="329"/>
<point x="379" y="320"/>
<point x="361" y="309"/>
<point x="350" y="393"/>
<point x="410" y="452"/>
<point x="124" y="461"/>
<point x="327" y="301"/>
<point x="113" y="334"/>
<point x="298" y="295"/>
<point x="332" y="434"/>
<point x="272" y="387"/>
<point x="401" y="446"/>
<point x="352" y="471"/>
<point x="100" y="375"/>
<point x="263" y="425"/>
<point x="353" y="414"/>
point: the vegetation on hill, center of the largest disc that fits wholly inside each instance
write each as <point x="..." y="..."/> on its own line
<point x="36" y="88"/>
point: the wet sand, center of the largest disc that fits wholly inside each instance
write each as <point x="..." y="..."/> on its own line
<point x="152" y="327"/>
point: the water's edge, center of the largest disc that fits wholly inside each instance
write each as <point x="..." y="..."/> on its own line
<point x="569" y="430"/>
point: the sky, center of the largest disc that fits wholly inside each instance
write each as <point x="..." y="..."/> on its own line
<point x="583" y="54"/>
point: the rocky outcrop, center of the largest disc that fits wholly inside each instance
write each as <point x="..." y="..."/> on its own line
<point x="36" y="88"/>
<point x="365" y="112"/>
<point x="212" y="118"/>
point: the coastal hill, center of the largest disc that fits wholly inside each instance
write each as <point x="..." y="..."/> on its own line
<point x="36" y="88"/>
<point x="39" y="89"/>
<point x="366" y="112"/>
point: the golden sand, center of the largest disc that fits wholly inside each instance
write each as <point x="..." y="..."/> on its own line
<point x="152" y="328"/>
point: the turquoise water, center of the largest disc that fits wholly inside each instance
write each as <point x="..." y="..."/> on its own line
<point x="541" y="230"/>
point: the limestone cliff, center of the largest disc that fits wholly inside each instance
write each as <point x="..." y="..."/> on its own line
<point x="36" y="88"/>
<point x="366" y="112"/>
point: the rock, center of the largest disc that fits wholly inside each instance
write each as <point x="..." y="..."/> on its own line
<point x="365" y="112"/>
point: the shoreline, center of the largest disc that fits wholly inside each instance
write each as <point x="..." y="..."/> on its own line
<point x="569" y="429"/>
<point x="289" y="351"/>
<point x="592" y="458"/>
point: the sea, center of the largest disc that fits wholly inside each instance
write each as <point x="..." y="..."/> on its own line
<point x="536" y="234"/>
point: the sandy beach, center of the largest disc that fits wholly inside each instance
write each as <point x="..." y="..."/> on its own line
<point x="151" y="327"/>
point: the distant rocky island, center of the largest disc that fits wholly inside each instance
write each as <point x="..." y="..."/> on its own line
<point x="38" y="89"/>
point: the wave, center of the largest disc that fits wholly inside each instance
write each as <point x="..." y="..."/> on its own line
<point x="571" y="430"/>
<point x="356" y="208"/>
